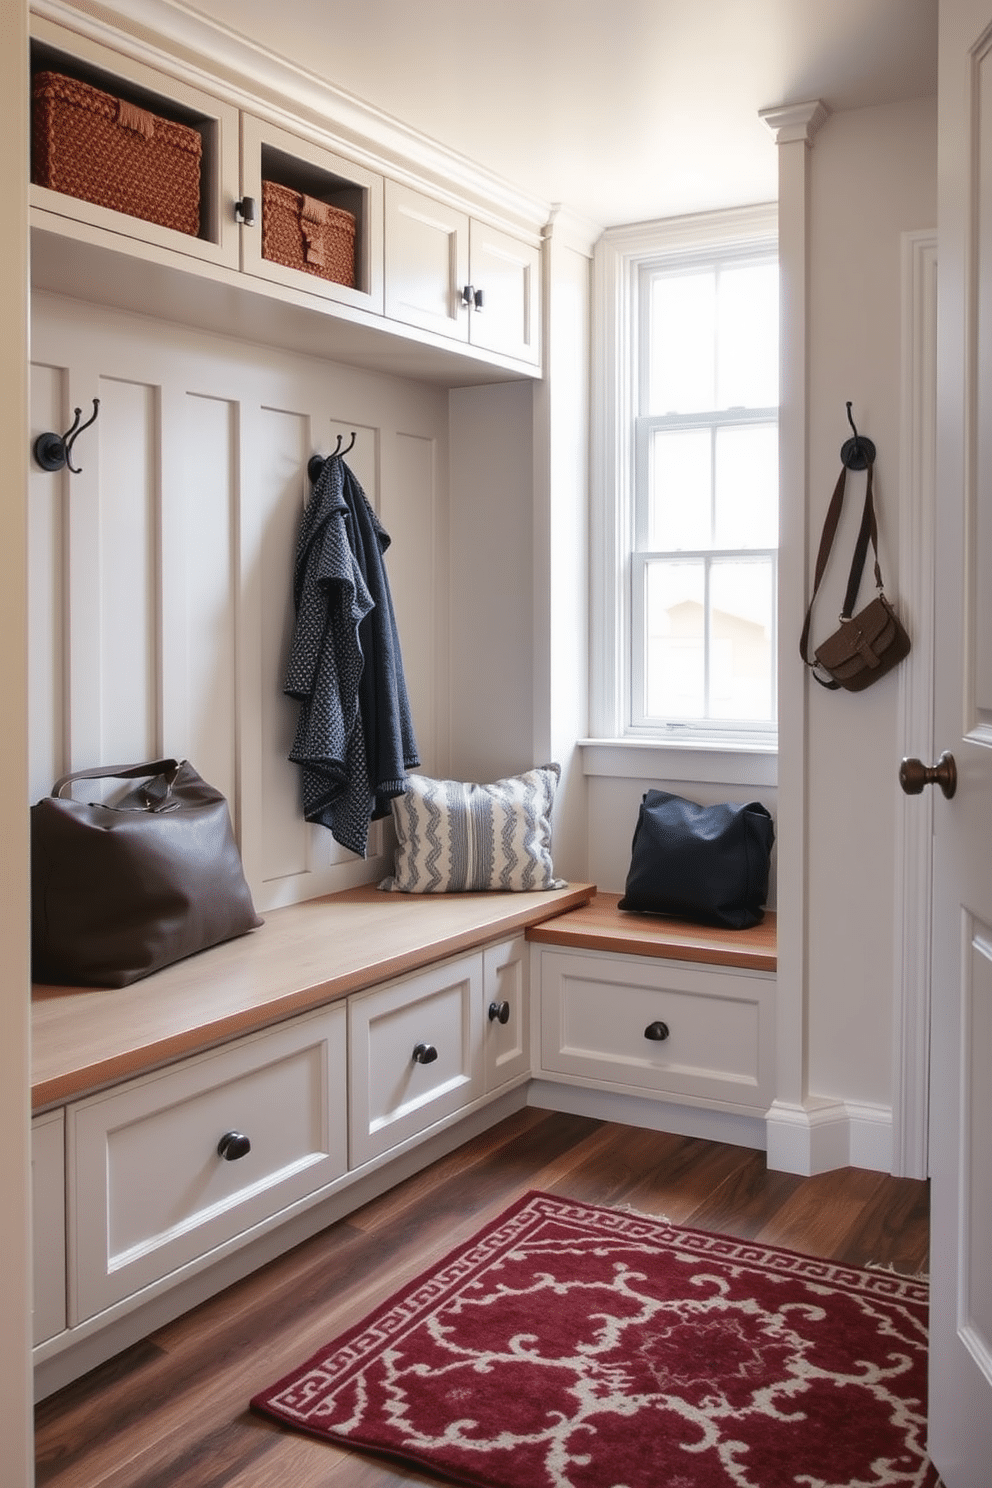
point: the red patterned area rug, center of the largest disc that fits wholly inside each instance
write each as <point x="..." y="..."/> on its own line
<point x="570" y="1346"/>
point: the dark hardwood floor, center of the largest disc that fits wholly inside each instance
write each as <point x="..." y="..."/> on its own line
<point x="171" y="1412"/>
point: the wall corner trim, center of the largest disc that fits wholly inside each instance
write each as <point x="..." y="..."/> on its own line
<point x="823" y="1134"/>
<point x="790" y="122"/>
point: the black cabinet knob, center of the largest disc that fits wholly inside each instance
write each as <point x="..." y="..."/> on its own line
<point x="233" y="1145"/>
<point x="499" y="1012"/>
<point x="244" y="211"/>
<point x="425" y="1053"/>
<point x="657" y="1032"/>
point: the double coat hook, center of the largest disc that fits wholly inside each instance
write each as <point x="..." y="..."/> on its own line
<point x="53" y="451"/>
<point x="316" y="462"/>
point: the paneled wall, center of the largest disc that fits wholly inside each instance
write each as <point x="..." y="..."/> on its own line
<point x="161" y="574"/>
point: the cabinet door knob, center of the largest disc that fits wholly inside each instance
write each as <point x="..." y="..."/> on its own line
<point x="468" y="294"/>
<point x="657" y="1032"/>
<point x="233" y="1145"/>
<point x="425" y="1053"/>
<point x="478" y="299"/>
<point x="244" y="211"/>
<point x="499" y="1012"/>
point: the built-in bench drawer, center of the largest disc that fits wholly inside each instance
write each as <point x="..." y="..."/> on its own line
<point x="416" y="1054"/>
<point x="645" y="1025"/>
<point x="170" y="1167"/>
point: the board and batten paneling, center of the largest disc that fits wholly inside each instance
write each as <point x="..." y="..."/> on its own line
<point x="161" y="573"/>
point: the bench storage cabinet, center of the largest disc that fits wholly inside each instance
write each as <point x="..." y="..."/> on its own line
<point x="648" y="1026"/>
<point x="658" y="1008"/>
<point x="217" y="1112"/>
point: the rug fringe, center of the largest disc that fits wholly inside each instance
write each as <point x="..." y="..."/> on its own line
<point x="894" y="1271"/>
<point x="642" y="1213"/>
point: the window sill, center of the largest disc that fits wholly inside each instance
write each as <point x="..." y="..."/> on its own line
<point x="714" y="763"/>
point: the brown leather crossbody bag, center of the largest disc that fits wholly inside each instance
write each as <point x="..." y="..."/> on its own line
<point x="869" y="644"/>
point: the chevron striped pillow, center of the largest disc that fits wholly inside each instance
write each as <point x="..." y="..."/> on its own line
<point x="453" y="836"/>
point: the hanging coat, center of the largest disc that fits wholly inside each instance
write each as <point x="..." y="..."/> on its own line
<point x="354" y="738"/>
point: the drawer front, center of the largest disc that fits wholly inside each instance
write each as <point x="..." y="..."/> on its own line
<point x="416" y="1055"/>
<point x="507" y="1007"/>
<point x="149" y="1189"/>
<point x="48" y="1216"/>
<point x="650" y="1027"/>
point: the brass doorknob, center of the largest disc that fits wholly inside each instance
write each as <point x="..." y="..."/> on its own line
<point x="914" y="775"/>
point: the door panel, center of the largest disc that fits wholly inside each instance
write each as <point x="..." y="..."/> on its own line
<point x="961" y="1033"/>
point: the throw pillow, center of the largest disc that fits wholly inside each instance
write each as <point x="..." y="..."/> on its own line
<point x="454" y="836"/>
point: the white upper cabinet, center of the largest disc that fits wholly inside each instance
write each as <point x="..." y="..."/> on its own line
<point x="294" y="224"/>
<point x="318" y="217"/>
<point x="107" y="95"/>
<point x="451" y="273"/>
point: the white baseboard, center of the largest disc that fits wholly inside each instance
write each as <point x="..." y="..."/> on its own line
<point x="825" y="1134"/>
<point x="653" y="1114"/>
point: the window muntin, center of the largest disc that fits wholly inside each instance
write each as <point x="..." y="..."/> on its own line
<point x="705" y="496"/>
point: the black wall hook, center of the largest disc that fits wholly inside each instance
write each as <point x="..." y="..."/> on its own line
<point x="316" y="462"/>
<point x="52" y="451"/>
<point x="857" y="453"/>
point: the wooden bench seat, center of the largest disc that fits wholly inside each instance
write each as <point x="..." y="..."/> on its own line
<point x="599" y="925"/>
<point x="304" y="956"/>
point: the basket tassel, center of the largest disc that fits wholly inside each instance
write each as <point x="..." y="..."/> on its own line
<point x="129" y="116"/>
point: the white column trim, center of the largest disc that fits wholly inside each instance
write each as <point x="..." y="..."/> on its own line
<point x="795" y="123"/>
<point x="914" y="816"/>
<point x="794" y="127"/>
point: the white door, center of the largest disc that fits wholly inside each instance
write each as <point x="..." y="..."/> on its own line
<point x="961" y="1055"/>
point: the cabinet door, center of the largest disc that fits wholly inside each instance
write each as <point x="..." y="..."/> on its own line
<point x="156" y="1180"/>
<point x="415" y="1051"/>
<point x="48" y="1214"/>
<point x="506" y="282"/>
<point x="427" y="262"/>
<point x="507" y="1005"/>
<point x="640" y="1024"/>
<point x="290" y="160"/>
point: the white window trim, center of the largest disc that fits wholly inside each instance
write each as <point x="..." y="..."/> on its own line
<point x="619" y="254"/>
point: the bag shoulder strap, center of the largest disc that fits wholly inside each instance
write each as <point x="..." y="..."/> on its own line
<point x="118" y="772"/>
<point x="867" y="533"/>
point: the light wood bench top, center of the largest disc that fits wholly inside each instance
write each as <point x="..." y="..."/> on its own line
<point x="304" y="956"/>
<point x="600" y="926"/>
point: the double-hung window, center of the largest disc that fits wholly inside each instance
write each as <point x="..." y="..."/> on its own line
<point x="687" y="582"/>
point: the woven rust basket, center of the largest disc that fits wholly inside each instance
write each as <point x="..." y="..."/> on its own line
<point x="303" y="233"/>
<point x="89" y="144"/>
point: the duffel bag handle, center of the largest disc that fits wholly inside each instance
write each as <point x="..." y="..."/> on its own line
<point x="118" y="772"/>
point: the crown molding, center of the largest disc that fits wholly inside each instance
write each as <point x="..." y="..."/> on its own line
<point x="572" y="230"/>
<point x="791" y="122"/>
<point x="167" y="35"/>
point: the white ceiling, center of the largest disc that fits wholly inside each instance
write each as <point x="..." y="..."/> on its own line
<point x="622" y="110"/>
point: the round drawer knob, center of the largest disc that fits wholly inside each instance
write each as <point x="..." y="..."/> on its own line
<point x="499" y="1012"/>
<point x="425" y="1053"/>
<point x="233" y="1145"/>
<point x="657" y="1032"/>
